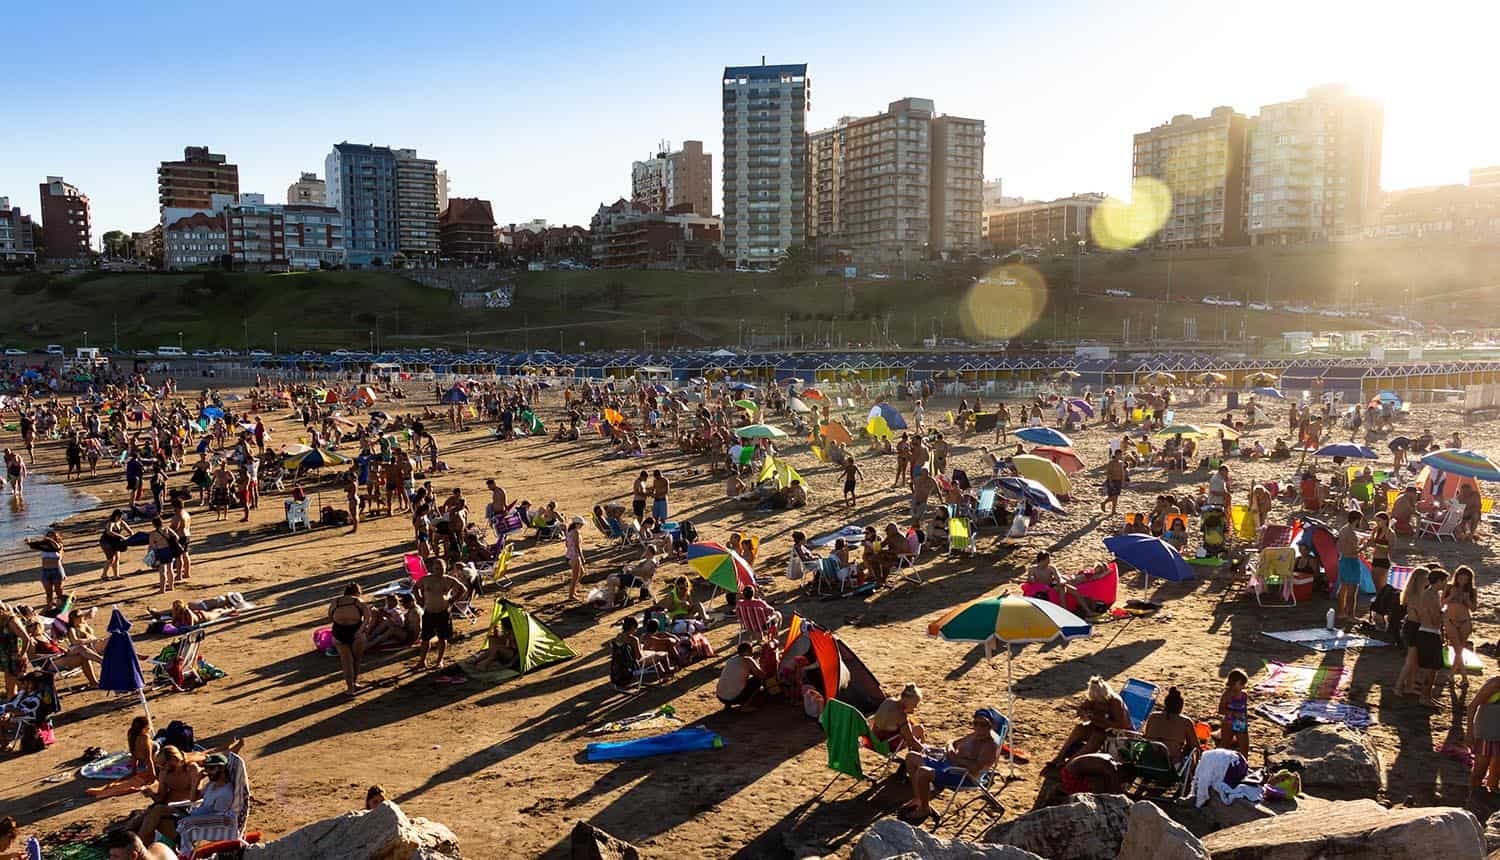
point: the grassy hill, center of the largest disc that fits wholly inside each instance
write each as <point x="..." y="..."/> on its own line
<point x="1061" y="298"/>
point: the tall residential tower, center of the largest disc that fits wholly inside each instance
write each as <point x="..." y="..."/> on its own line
<point x="765" y="162"/>
<point x="667" y="180"/>
<point x="65" y="221"/>
<point x="1202" y="163"/>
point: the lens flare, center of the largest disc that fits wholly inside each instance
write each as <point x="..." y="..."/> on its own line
<point x="1004" y="303"/>
<point x="1118" y="225"/>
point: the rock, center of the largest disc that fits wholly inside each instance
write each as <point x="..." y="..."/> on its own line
<point x="1089" y="827"/>
<point x="1492" y="833"/>
<point x="892" y="839"/>
<point x="1215" y="816"/>
<point x="1336" y="758"/>
<point x="383" y="833"/>
<point x="1360" y="829"/>
<point x="1151" y="835"/>
<point x="591" y="843"/>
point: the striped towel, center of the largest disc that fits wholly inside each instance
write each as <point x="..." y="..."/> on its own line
<point x="1400" y="573"/>
<point x="1284" y="680"/>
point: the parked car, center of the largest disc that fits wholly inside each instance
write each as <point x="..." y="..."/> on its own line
<point x="14" y="351"/>
<point x="1119" y="294"/>
<point x="259" y="353"/>
<point x="1259" y="306"/>
<point x="54" y="349"/>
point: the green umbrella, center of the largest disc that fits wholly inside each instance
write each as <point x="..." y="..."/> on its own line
<point x="747" y="405"/>
<point x="760" y="431"/>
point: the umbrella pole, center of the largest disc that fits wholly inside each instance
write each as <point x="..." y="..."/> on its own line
<point x="1010" y="725"/>
<point x="150" y="729"/>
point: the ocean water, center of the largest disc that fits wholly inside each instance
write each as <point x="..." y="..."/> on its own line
<point x="46" y="502"/>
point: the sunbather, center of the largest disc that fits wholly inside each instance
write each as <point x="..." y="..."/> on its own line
<point x="966" y="758"/>
<point x="1101" y="712"/>
<point x="892" y="723"/>
<point x="500" y="650"/>
<point x="400" y="625"/>
<point x="1168" y="726"/>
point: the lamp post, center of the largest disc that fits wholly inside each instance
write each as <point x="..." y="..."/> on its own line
<point x="372" y="341"/>
<point x="179" y="340"/>
<point x="85" y="338"/>
<point x="275" y="349"/>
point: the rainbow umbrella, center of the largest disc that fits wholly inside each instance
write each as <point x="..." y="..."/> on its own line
<point x="1008" y="620"/>
<point x="720" y="565"/>
<point x="1468" y="464"/>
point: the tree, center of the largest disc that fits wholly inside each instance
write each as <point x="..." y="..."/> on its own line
<point x="795" y="265"/>
<point x="713" y="259"/>
<point x="116" y="244"/>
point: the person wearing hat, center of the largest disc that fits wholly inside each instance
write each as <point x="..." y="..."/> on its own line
<point x="964" y="759"/>
<point x="218" y="793"/>
<point x="574" y="543"/>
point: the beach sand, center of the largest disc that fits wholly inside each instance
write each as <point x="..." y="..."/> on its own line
<point x="502" y="764"/>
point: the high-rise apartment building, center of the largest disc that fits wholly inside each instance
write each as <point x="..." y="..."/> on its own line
<point x="825" y="185"/>
<point x="1314" y="167"/>
<point x="17" y="244"/>
<point x="362" y="186"/>
<point x="416" y="207"/>
<point x="957" y="205"/>
<point x="765" y="162"/>
<point x="1202" y="162"/>
<point x="65" y="221"/>
<point x="442" y="190"/>
<point x="668" y="180"/>
<point x="885" y="184"/>
<point x="191" y="182"/>
<point x="308" y="189"/>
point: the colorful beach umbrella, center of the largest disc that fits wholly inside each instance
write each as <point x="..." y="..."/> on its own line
<point x="1044" y="472"/>
<point x="833" y="431"/>
<point x="760" y="431"/>
<point x="1078" y="404"/>
<point x="456" y="394"/>
<point x="1347" y="449"/>
<point x="893" y="419"/>
<point x="314" y="458"/>
<point x="1152" y="556"/>
<point x="1187" y="431"/>
<point x="747" y="405"/>
<point x="1066" y="458"/>
<point x="120" y="669"/>
<point x="1008" y="620"/>
<point x="720" y="565"/>
<point x="796" y="405"/>
<point x="1468" y="464"/>
<point x="1030" y="491"/>
<point x="1273" y="393"/>
<point x="1044" y="436"/>
<point x="813" y="394"/>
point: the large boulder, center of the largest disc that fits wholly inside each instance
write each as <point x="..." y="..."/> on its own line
<point x="1088" y="827"/>
<point x="1151" y="835"/>
<point x="383" y="833"/>
<point x="889" y="838"/>
<point x="591" y="843"/>
<point x="1361" y="829"/>
<point x="1336" y="758"/>
<point x="1215" y="815"/>
<point x="1492" y="833"/>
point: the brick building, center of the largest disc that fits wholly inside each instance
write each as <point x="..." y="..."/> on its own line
<point x="466" y="230"/>
<point x="65" y="221"/>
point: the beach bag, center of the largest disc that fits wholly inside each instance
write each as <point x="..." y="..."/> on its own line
<point x="794" y="568"/>
<point x="812" y="703"/>
<point x="150" y="559"/>
<point x="178" y="734"/>
<point x="1017" y="527"/>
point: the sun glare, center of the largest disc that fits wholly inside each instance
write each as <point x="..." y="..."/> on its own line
<point x="1004" y="303"/>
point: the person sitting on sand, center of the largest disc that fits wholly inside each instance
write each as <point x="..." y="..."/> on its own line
<point x="962" y="760"/>
<point x="1169" y="727"/>
<point x="500" y="649"/>
<point x="740" y="679"/>
<point x="1101" y="713"/>
<point x="892" y="723"/>
<point x="679" y="604"/>
<point x="176" y="781"/>
<point x="400" y="627"/>
<point x="126" y="845"/>
<point x="677" y="648"/>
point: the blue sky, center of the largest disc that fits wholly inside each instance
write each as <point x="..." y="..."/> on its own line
<point x="541" y="108"/>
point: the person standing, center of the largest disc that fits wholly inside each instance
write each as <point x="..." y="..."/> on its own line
<point x="660" y="487"/>
<point x="182" y="525"/>
<point x="1482" y="736"/>
<point x="574" y="543"/>
<point x="439" y="590"/>
<point x="113" y="542"/>
<point x="347" y="614"/>
<point x="1115" y="475"/>
<point x="162" y="542"/>
<point x="351" y="499"/>
<point x="851" y="472"/>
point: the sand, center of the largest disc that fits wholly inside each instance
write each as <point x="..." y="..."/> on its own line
<point x="502" y="764"/>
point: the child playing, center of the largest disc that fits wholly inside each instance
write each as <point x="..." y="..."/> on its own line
<point x="51" y="547"/>
<point x="1234" y="709"/>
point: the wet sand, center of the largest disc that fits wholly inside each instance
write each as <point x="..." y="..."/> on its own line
<point x="502" y="764"/>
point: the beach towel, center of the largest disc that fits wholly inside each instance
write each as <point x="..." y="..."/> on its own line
<point x="1284" y="712"/>
<point x="682" y="740"/>
<point x="487" y="676"/>
<point x="108" y="767"/>
<point x="1473" y="663"/>
<point x="843" y="726"/>
<point x="848" y="533"/>
<point x="1322" y="640"/>
<point x="1284" y="680"/>
<point x="662" y="717"/>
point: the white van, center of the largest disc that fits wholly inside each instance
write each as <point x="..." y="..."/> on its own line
<point x="54" y="349"/>
<point x="171" y="351"/>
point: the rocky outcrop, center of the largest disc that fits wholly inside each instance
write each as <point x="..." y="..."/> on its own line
<point x="1492" y="833"/>
<point x="591" y="843"/>
<point x="1214" y="816"/>
<point x="1335" y="758"/>
<point x="383" y="833"/>
<point x="1361" y="829"/>
<point x="1088" y="827"/>
<point x="889" y="838"/>
<point x="1151" y="835"/>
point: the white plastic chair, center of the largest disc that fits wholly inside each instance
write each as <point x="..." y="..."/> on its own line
<point x="1446" y="526"/>
<point x="296" y="512"/>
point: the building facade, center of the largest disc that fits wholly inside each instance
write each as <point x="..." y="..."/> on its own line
<point x="670" y="180"/>
<point x="416" y="208"/>
<point x="66" y="233"/>
<point x="1450" y="213"/>
<point x="765" y="162"/>
<point x="631" y="235"/>
<point x="442" y="190"/>
<point x="1202" y="162"/>
<point x="17" y="243"/>
<point x="1052" y="227"/>
<point x="256" y="234"/>
<point x="361" y="182"/>
<point x="308" y="189"/>
<point x="314" y="237"/>
<point x="957" y="206"/>
<point x="192" y="182"/>
<point x="1314" y="167"/>
<point x="199" y="239"/>
<point x="467" y="230"/>
<point x="885" y="184"/>
<point x="825" y="177"/>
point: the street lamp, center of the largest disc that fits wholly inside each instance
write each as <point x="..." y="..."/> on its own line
<point x="85" y="338"/>
<point x="275" y="348"/>
<point x="372" y="341"/>
<point x="179" y="340"/>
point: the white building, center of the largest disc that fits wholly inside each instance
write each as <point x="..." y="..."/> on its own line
<point x="308" y="189"/>
<point x="197" y="239"/>
<point x="765" y="162"/>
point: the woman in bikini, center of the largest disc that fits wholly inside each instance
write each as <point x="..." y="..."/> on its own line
<point x="113" y="541"/>
<point x="1460" y="601"/>
<point x="347" y="614"/>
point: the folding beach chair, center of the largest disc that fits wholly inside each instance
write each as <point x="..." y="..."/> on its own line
<point x="297" y="514"/>
<point x="1271" y="574"/>
<point x="31" y="712"/>
<point x="960" y="535"/>
<point x="219" y="826"/>
<point x="827" y="580"/>
<point x="906" y="557"/>
<point x="982" y="783"/>
<point x="757" y="623"/>
<point x="414" y="567"/>
<point x="1153" y="768"/>
<point x="497" y="576"/>
<point x="985" y="511"/>
<point x="177" y="664"/>
<point x="626" y="674"/>
<point x="845" y="732"/>
<point x="1139" y="697"/>
<point x="1445" y="526"/>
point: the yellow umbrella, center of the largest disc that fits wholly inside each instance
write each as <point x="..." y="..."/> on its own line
<point x="1210" y="376"/>
<point x="1160" y="376"/>
<point x="1044" y="472"/>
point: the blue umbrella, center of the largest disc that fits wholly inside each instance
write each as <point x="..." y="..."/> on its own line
<point x="120" y="670"/>
<point x="893" y="419"/>
<point x="1078" y="404"/>
<point x="1347" y="449"/>
<point x="1273" y="393"/>
<point x="1044" y="436"/>
<point x="743" y="386"/>
<point x="1030" y="491"/>
<point x="212" y="412"/>
<point x="455" y="395"/>
<point x="1152" y="556"/>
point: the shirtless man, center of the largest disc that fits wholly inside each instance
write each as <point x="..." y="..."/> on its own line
<point x="965" y="758"/>
<point x="638" y="493"/>
<point x="1114" y="481"/>
<point x="439" y="590"/>
<point x="922" y="488"/>
<point x="176" y="780"/>
<point x="919" y="455"/>
<point x="182" y="523"/>
<point x="125" y="845"/>
<point x="660" y="487"/>
<point x="498" y="503"/>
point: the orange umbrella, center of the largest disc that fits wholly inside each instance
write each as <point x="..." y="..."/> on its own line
<point x="835" y="432"/>
<point x="812" y="394"/>
<point x="1066" y="458"/>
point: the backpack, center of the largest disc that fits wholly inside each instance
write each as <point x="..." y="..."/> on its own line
<point x="688" y="531"/>
<point x="178" y="734"/>
<point x="623" y="666"/>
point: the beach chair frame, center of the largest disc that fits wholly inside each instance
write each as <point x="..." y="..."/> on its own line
<point x="180" y="671"/>
<point x="1445" y="526"/>
<point x="965" y="543"/>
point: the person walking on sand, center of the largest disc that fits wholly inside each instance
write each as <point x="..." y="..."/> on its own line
<point x="1115" y="475"/>
<point x="439" y="590"/>
<point x="574" y="541"/>
<point x="851" y="472"/>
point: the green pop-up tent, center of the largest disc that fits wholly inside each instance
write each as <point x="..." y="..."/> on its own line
<point x="536" y="644"/>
